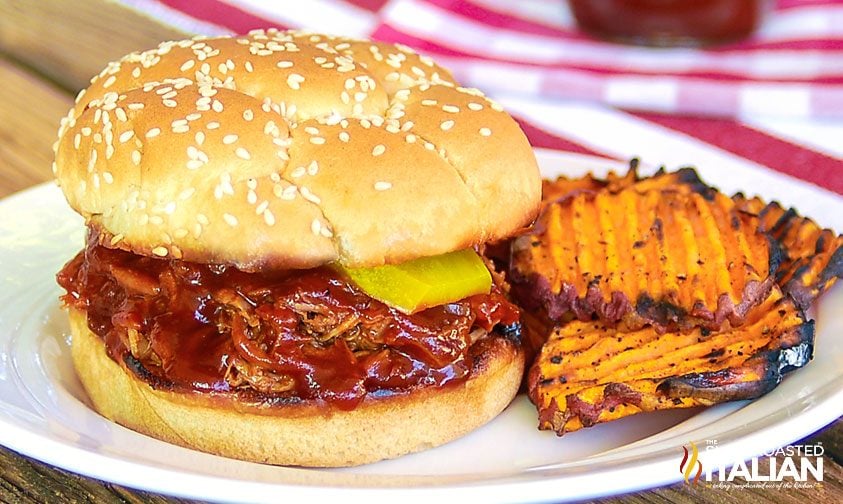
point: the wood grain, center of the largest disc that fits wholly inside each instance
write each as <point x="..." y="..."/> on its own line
<point x="29" y="117"/>
<point x="68" y="42"/>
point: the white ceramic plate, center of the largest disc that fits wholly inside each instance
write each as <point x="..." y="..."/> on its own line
<point x="44" y="412"/>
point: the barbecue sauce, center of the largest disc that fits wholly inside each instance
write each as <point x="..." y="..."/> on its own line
<point x="187" y="323"/>
<point x="669" y="22"/>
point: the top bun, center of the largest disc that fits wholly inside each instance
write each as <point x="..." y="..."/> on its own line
<point x="292" y="150"/>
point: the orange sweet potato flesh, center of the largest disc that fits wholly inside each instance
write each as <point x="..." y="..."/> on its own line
<point x="623" y="322"/>
<point x="667" y="251"/>
<point x="588" y="372"/>
<point x="812" y="258"/>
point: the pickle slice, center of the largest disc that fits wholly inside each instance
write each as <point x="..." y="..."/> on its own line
<point x="421" y="283"/>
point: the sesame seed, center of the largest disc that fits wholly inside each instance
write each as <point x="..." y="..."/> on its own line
<point x="242" y="153"/>
<point x="229" y="219"/>
<point x="251" y="197"/>
<point x="194" y="164"/>
<point x="181" y="128"/>
<point x="217" y="106"/>
<point x="108" y="177"/>
<point x="248" y="114"/>
<point x="312" y="168"/>
<point x="317" y="140"/>
<point x="187" y="65"/>
<point x="446" y="125"/>
<point x="453" y="109"/>
<point x="192" y="117"/>
<point x="187" y="193"/>
<point x="136" y="72"/>
<point x="411" y="138"/>
<point x="326" y="232"/>
<point x="135" y="106"/>
<point x="309" y="196"/>
<point x="160" y="251"/>
<point x="109" y="151"/>
<point x="475" y="106"/>
<point x="121" y="115"/>
<point x="289" y="193"/>
<point x="284" y="64"/>
<point x="212" y="125"/>
<point x="180" y="233"/>
<point x="77" y="140"/>
<point x="311" y="130"/>
<point x="344" y="136"/>
<point x="382" y="186"/>
<point x="169" y="103"/>
<point x="262" y="207"/>
<point x="378" y="150"/>
<point x="152" y="133"/>
<point x="269" y="218"/>
<point x="202" y="219"/>
<point x="294" y="81"/>
<point x="485" y="132"/>
<point x="116" y="239"/>
<point x="429" y="103"/>
<point x="249" y="67"/>
<point x="109" y="81"/>
<point x="156" y="220"/>
<point x="315" y="226"/>
<point x="229" y="139"/>
<point x="136" y="157"/>
<point x="200" y="137"/>
<point x="86" y="131"/>
<point x="170" y="207"/>
<point x="298" y="172"/>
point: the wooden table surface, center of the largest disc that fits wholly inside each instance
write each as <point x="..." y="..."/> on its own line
<point x="48" y="51"/>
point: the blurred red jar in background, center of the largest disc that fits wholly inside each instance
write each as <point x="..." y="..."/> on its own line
<point x="669" y="22"/>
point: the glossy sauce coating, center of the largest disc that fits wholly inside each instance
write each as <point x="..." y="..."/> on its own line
<point x="306" y="334"/>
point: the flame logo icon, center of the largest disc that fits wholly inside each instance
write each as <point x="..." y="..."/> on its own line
<point x="686" y="467"/>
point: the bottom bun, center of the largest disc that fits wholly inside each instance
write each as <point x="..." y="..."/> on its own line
<point x="303" y="434"/>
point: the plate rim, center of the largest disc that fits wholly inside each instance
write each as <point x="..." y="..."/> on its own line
<point x="45" y="448"/>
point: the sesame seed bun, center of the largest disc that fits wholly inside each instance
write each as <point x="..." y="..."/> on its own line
<point x="300" y="434"/>
<point x="292" y="150"/>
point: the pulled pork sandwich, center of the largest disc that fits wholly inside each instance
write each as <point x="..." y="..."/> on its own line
<point x="283" y="252"/>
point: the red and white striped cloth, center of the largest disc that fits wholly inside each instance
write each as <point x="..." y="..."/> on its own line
<point x="771" y="102"/>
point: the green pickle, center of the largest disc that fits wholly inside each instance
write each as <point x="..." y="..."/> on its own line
<point x="421" y="283"/>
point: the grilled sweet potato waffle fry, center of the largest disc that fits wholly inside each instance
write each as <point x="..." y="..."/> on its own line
<point x="813" y="257"/>
<point x="588" y="372"/>
<point x="667" y="250"/>
<point x="659" y="293"/>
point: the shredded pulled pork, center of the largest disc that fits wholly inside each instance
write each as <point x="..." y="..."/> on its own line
<point x="294" y="334"/>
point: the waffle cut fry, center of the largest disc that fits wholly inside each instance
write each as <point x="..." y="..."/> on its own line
<point x="647" y="294"/>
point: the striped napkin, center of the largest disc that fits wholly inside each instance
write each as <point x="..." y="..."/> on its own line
<point x="772" y="102"/>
